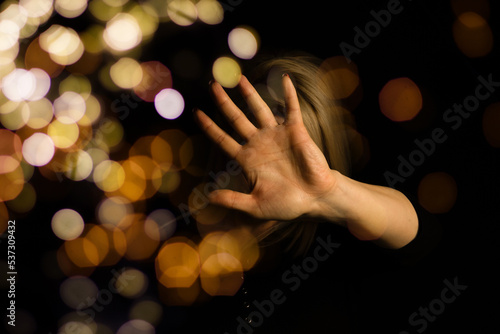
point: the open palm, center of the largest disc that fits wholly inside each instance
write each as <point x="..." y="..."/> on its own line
<point x="285" y="169"/>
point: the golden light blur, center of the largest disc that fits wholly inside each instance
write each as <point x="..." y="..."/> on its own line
<point x="10" y="151"/>
<point x="226" y="71"/>
<point x="210" y="11"/>
<point x="437" y="192"/>
<point x="122" y="32"/>
<point x="70" y="8"/>
<point x="24" y="201"/>
<point x="126" y="73"/>
<point x="473" y="35"/>
<point x="221" y="275"/>
<point x="491" y="124"/>
<point x="400" y="100"/>
<point x="64" y="135"/>
<point x="147" y="310"/>
<point x="481" y="7"/>
<point x="63" y="44"/>
<point x="155" y="77"/>
<point x="115" y="211"/>
<point x="139" y="245"/>
<point x="67" y="224"/>
<point x="132" y="283"/>
<point x="177" y="263"/>
<point x="12" y="184"/>
<point x="182" y="12"/>
<point x="340" y="76"/>
<point x="109" y="175"/>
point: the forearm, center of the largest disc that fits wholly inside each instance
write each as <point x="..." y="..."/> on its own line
<point x="381" y="214"/>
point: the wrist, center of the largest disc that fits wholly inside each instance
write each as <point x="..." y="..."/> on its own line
<point x="333" y="206"/>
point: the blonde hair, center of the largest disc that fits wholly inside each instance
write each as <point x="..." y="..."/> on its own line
<point x="324" y="120"/>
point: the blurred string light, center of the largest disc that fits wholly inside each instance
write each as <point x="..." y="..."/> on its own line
<point x="56" y="122"/>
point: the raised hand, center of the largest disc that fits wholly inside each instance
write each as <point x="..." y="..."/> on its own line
<point x="287" y="173"/>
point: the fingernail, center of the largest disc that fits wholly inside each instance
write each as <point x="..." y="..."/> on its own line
<point x="210" y="82"/>
<point x="194" y="109"/>
<point x="284" y="75"/>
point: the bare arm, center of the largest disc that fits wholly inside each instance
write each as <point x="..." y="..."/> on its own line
<point x="290" y="178"/>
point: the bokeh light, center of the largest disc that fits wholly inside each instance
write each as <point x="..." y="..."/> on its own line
<point x="437" y="192"/>
<point x="147" y="310"/>
<point x="182" y="12"/>
<point x="177" y="264"/>
<point x="340" y="76"/>
<point x="70" y="8"/>
<point x="210" y="11"/>
<point x="62" y="43"/>
<point x="19" y="85"/>
<point x="226" y="71"/>
<point x="131" y="283"/>
<point x="126" y="73"/>
<point x="169" y="103"/>
<point x="116" y="211"/>
<point x="10" y="151"/>
<point x="77" y="291"/>
<point x="122" y="32"/>
<point x="69" y="107"/>
<point x="12" y="184"/>
<point x="24" y="201"/>
<point x="67" y="224"/>
<point x="155" y="77"/>
<point x="38" y="149"/>
<point x="160" y="224"/>
<point x="481" y="7"/>
<point x="243" y="42"/>
<point x="400" y="100"/>
<point x="136" y="326"/>
<point x="63" y="134"/>
<point x="109" y="175"/>
<point x="491" y="124"/>
<point x="473" y="35"/>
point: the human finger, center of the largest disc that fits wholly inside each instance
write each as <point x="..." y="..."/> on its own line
<point x="233" y="114"/>
<point x="217" y="135"/>
<point x="293" y="113"/>
<point x="257" y="105"/>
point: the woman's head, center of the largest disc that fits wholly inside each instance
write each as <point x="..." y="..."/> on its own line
<point x="325" y="123"/>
